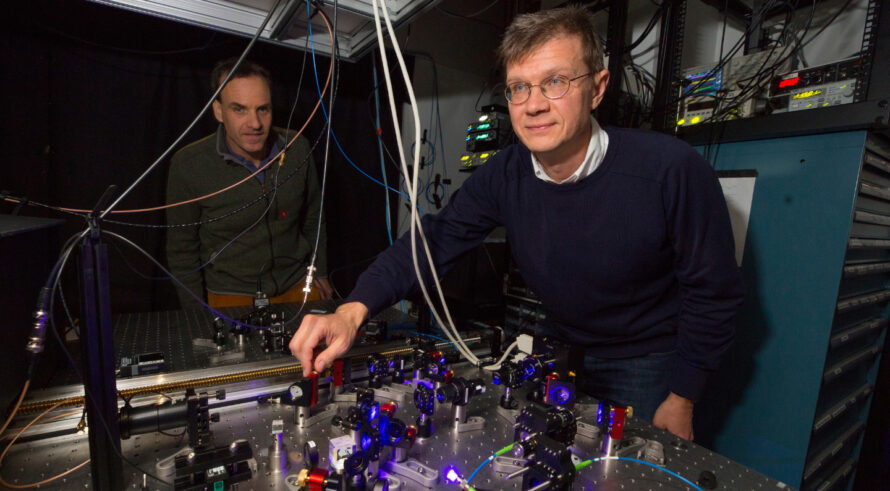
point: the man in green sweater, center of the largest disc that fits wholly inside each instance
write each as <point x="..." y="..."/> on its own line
<point x="260" y="235"/>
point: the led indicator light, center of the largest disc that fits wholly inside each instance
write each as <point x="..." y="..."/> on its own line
<point x="809" y="93"/>
<point x="789" y="82"/>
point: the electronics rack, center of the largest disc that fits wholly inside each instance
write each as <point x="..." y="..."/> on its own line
<point x="704" y="88"/>
<point x="485" y="137"/>
<point x="871" y="109"/>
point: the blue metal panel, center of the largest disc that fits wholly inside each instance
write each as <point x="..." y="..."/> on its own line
<point x="761" y="405"/>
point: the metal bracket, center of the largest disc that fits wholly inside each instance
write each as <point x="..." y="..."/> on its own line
<point x="408" y="389"/>
<point x="508" y="414"/>
<point x="395" y="484"/>
<point x="473" y="423"/>
<point x="508" y="465"/>
<point x="166" y="468"/>
<point x="415" y="471"/>
<point x="305" y="419"/>
<point x="652" y="451"/>
<point x="589" y="431"/>
<point x="346" y="395"/>
<point x="390" y="393"/>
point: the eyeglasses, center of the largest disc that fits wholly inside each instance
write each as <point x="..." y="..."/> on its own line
<point x="553" y="87"/>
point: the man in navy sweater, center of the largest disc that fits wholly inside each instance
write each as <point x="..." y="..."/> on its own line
<point x="623" y="234"/>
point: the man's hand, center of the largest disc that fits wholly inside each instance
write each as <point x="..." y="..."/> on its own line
<point x="325" y="292"/>
<point x="337" y="330"/>
<point x="675" y="415"/>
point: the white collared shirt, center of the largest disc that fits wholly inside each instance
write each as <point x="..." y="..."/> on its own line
<point x="596" y="151"/>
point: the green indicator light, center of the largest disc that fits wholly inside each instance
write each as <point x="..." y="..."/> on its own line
<point x="482" y="136"/>
<point x="484" y="126"/>
<point x="219" y="486"/>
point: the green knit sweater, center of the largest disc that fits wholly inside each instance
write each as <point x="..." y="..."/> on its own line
<point x="269" y="250"/>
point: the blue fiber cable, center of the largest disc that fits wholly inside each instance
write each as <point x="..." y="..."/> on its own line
<point x="678" y="476"/>
<point x="325" y="113"/>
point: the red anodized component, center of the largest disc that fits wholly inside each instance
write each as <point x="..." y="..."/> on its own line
<point x="390" y="408"/>
<point x="550" y="378"/>
<point x="411" y="433"/>
<point x="338" y="373"/>
<point x="316" y="479"/>
<point x="314" y="378"/>
<point x="617" y="428"/>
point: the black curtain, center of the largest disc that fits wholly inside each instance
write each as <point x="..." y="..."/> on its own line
<point x="94" y="94"/>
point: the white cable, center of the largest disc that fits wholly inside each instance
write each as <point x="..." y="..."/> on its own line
<point x="450" y="324"/>
<point x="412" y="183"/>
<point x="497" y="364"/>
<point x="413" y="187"/>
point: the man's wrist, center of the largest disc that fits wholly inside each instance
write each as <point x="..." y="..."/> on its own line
<point x="355" y="312"/>
<point x="680" y="400"/>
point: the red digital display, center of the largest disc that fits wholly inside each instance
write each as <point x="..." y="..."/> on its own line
<point x="788" y="82"/>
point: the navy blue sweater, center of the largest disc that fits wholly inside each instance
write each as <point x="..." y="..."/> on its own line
<point x="636" y="258"/>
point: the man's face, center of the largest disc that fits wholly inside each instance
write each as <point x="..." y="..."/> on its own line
<point x="245" y="110"/>
<point x="556" y="130"/>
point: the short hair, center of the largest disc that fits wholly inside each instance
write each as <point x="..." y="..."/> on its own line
<point x="246" y="69"/>
<point x="530" y="31"/>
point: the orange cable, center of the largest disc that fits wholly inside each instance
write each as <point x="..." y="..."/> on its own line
<point x="5" y="450"/>
<point x="17" y="405"/>
<point x="261" y="169"/>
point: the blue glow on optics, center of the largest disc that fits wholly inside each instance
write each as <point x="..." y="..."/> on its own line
<point x="366" y="441"/>
<point x="496" y="379"/>
<point x="440" y="396"/>
<point x="442" y="360"/>
<point x="561" y="395"/>
<point x="451" y="475"/>
<point x="374" y="410"/>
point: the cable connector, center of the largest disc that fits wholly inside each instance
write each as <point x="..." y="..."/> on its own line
<point x="525" y="343"/>
<point x="310" y="273"/>
<point x="38" y="328"/>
